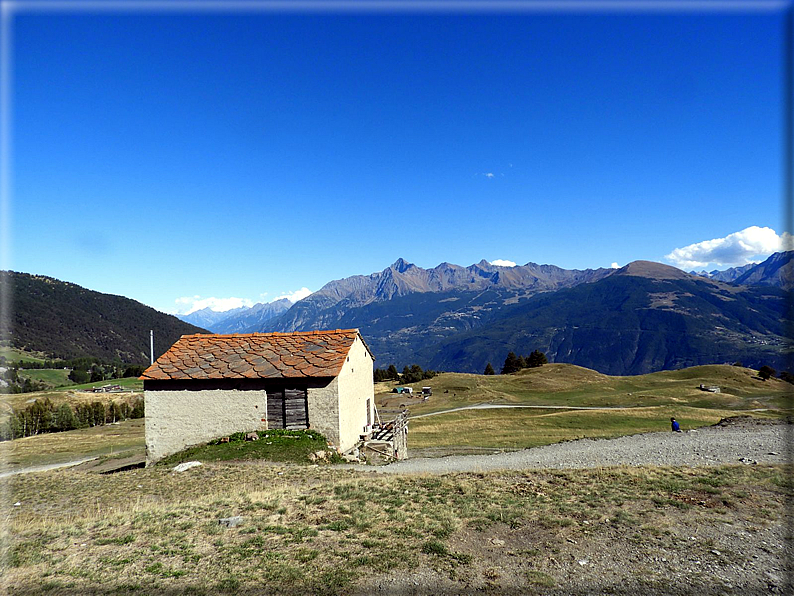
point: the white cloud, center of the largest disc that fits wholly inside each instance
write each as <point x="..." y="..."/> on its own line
<point x="615" y="266"/>
<point x="503" y="263"/>
<point x="190" y="304"/>
<point x="296" y="295"/>
<point x="488" y="174"/>
<point x="750" y="245"/>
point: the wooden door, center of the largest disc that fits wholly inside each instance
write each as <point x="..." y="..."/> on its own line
<point x="296" y="411"/>
<point x="287" y="408"/>
<point x="275" y="408"/>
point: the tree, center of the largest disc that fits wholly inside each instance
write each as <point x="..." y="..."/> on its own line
<point x="787" y="376"/>
<point x="126" y="410"/>
<point x="113" y="413"/>
<point x="489" y="370"/>
<point x="84" y="415"/>
<point x="536" y="359"/>
<point x="138" y="410"/>
<point x="766" y="372"/>
<point x="79" y="376"/>
<point x="65" y="418"/>
<point x="97" y="413"/>
<point x="39" y="416"/>
<point x="134" y="370"/>
<point x="97" y="374"/>
<point x="392" y="373"/>
<point x="12" y="428"/>
<point x="511" y="365"/>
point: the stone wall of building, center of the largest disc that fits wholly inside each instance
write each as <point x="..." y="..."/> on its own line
<point x="178" y="419"/>
<point x="323" y="406"/>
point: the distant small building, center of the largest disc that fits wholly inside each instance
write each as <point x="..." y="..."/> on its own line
<point x="210" y="386"/>
<point x="106" y="389"/>
<point x="710" y="388"/>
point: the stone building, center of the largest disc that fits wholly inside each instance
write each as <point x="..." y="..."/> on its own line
<point x="210" y="386"/>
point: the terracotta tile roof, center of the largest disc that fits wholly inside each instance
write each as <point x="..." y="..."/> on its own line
<point x="255" y="355"/>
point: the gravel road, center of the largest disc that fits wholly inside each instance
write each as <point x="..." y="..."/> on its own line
<point x="735" y="440"/>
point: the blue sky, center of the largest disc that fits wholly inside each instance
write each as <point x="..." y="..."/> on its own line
<point x="195" y="155"/>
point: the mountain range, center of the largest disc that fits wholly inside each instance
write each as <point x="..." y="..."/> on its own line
<point x="460" y="318"/>
<point x="727" y="275"/>
<point x="640" y="318"/>
<point x="237" y="320"/>
<point x="643" y="318"/>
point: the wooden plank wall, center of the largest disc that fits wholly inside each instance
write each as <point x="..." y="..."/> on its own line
<point x="296" y="408"/>
<point x="275" y="409"/>
<point x="287" y="408"/>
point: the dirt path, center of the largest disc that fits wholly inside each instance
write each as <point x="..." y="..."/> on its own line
<point x="489" y="406"/>
<point x="737" y="440"/>
<point x="46" y="467"/>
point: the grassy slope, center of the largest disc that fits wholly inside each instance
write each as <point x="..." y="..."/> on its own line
<point x="113" y="439"/>
<point x="648" y="402"/>
<point x="570" y="385"/>
<point x="272" y="445"/>
<point x="517" y="428"/>
<point x="54" y="377"/>
<point x="15" y="355"/>
<point x="129" y="383"/>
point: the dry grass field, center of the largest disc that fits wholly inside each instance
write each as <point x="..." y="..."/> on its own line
<point x="308" y="530"/>
<point x="72" y="396"/>
<point x="520" y="428"/>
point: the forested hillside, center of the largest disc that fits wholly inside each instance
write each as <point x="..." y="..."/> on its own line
<point x="64" y="320"/>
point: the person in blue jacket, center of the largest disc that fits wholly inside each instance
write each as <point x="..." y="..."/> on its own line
<point x="674" y="424"/>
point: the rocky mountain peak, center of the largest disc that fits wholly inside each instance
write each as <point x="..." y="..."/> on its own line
<point x="652" y="270"/>
<point x="401" y="265"/>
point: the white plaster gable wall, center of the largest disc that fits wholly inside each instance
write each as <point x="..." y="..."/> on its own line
<point x="355" y="387"/>
<point x="178" y="419"/>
